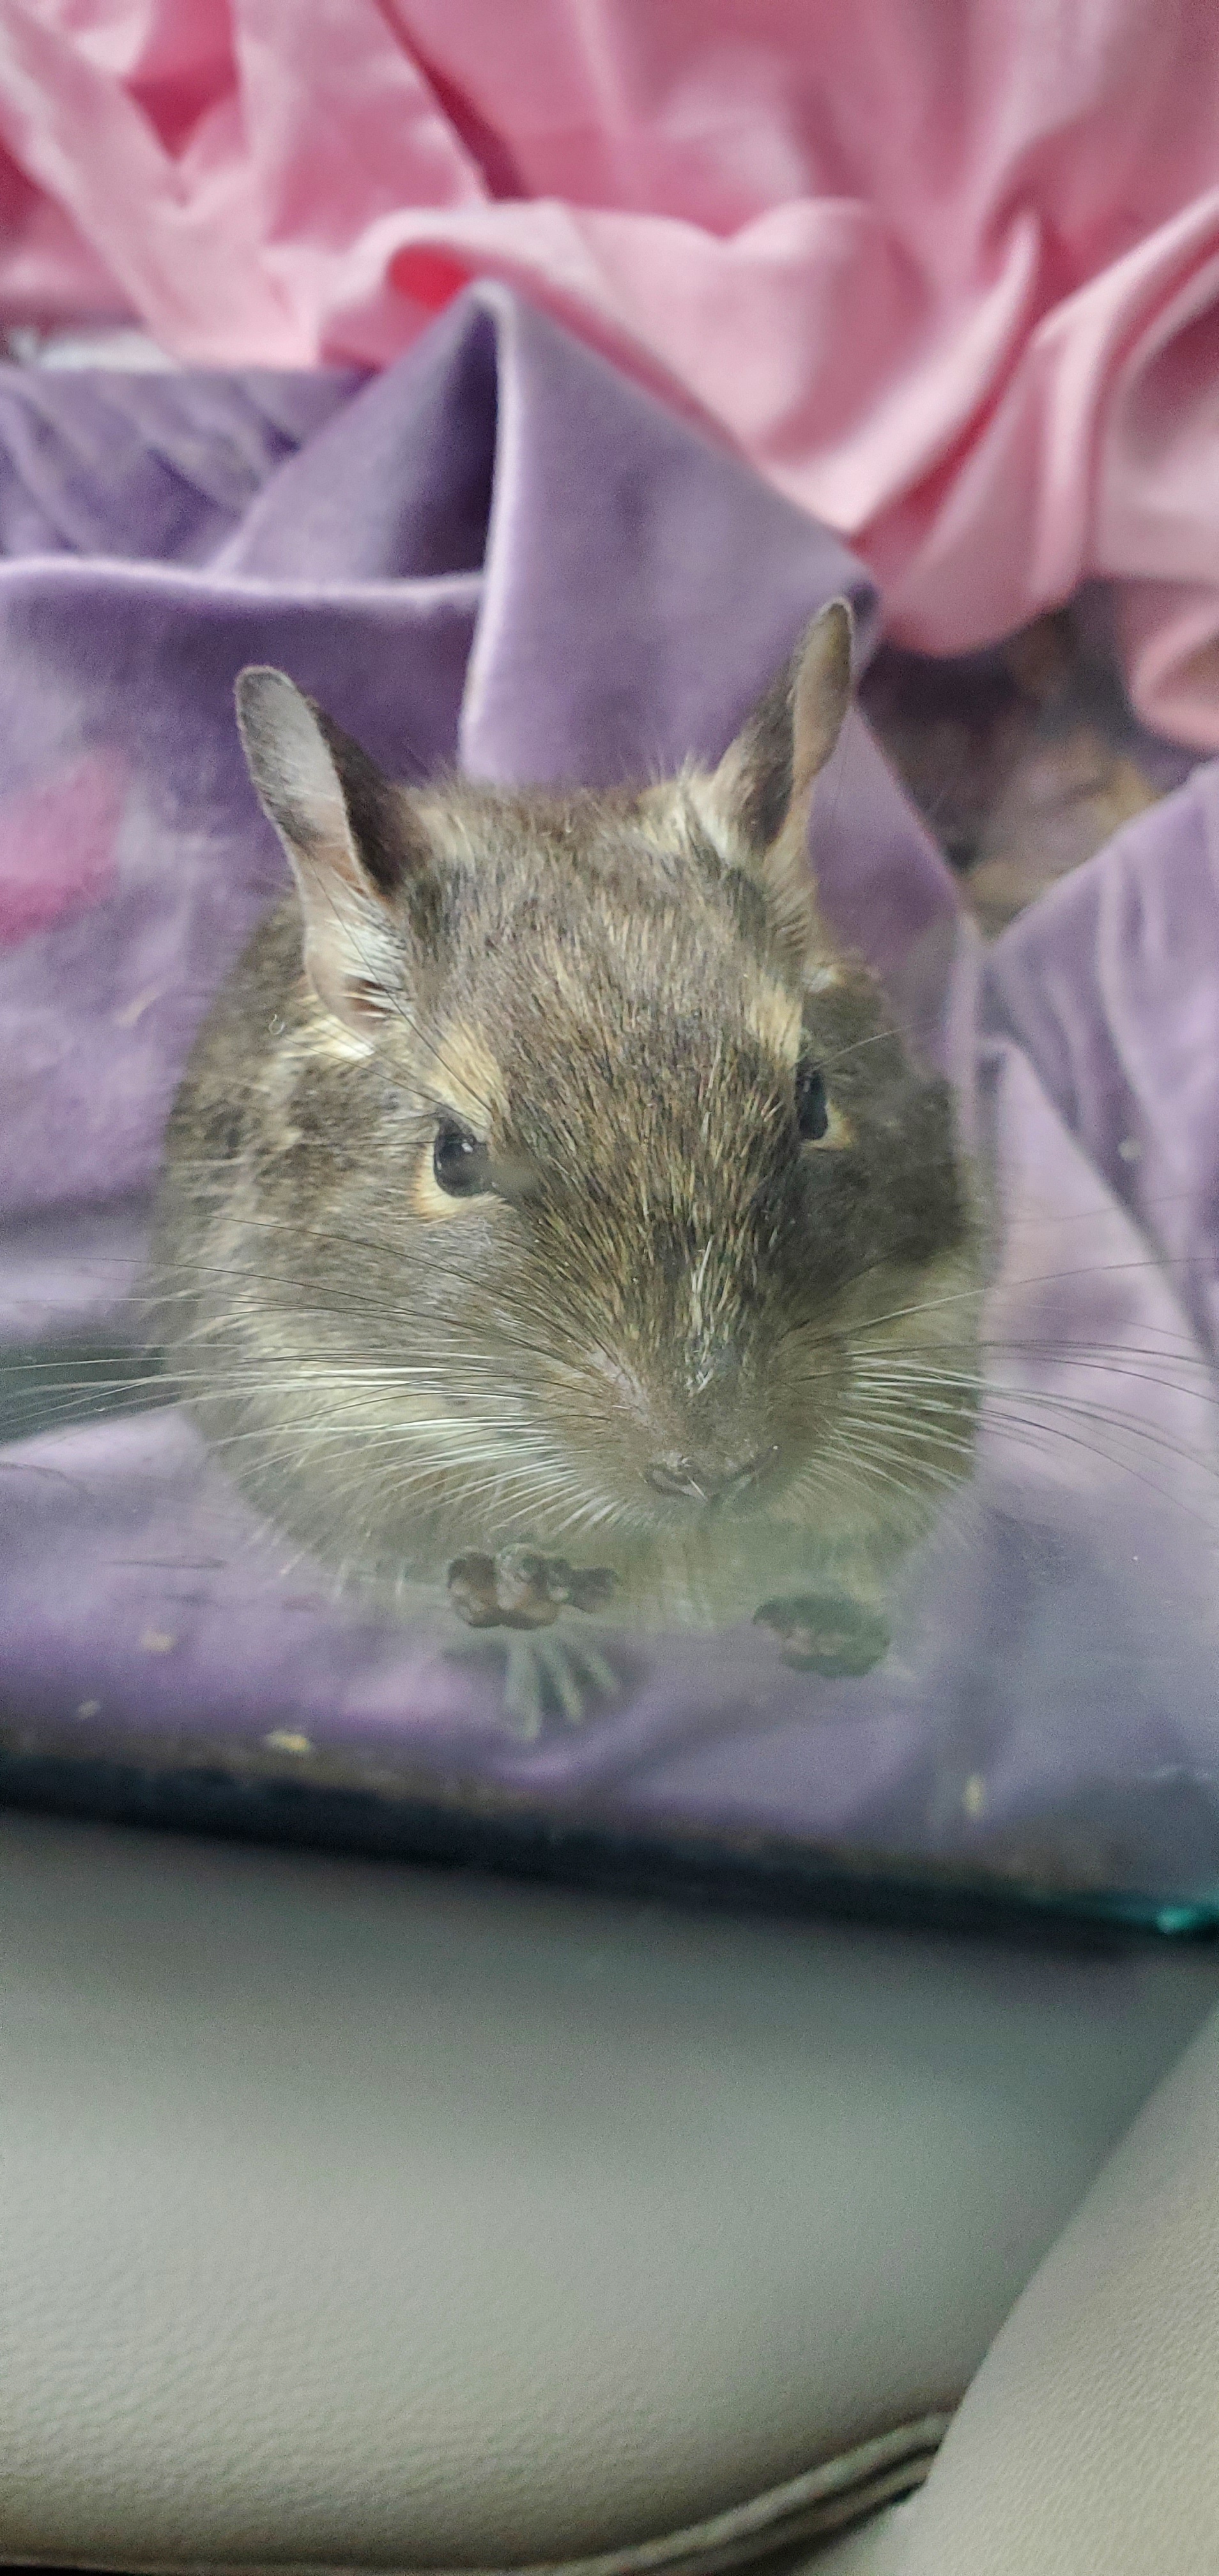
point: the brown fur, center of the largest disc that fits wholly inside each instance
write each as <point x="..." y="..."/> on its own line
<point x="609" y="992"/>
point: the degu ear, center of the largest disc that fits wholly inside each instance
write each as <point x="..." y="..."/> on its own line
<point x="363" y="868"/>
<point x="762" y="791"/>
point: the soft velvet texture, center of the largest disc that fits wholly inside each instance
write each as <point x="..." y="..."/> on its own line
<point x="627" y="589"/>
<point x="947" y="275"/>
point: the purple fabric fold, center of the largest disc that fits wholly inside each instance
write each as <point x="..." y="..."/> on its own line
<point x="502" y="552"/>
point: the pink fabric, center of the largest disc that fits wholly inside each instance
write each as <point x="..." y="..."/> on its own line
<point x="947" y="271"/>
<point x="57" y="848"/>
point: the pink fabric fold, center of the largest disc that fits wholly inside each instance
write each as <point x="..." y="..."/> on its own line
<point x="947" y="275"/>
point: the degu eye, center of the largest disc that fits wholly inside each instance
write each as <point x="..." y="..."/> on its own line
<point x="461" y="1164"/>
<point x="812" y="1107"/>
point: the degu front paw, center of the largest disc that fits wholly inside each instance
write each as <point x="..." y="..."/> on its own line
<point x="520" y="1588"/>
<point x="523" y="1591"/>
<point x="823" y="1632"/>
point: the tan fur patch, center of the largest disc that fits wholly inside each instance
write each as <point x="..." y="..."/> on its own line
<point x="432" y="1203"/>
<point x="773" y="1014"/>
<point x="707" y="806"/>
<point x="839" y="1132"/>
<point x="466" y="1076"/>
<point x="330" y="1041"/>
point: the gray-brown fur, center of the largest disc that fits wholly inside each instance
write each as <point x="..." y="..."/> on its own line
<point x="657" y="1344"/>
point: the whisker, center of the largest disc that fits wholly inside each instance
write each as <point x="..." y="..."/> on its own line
<point x="1015" y="1424"/>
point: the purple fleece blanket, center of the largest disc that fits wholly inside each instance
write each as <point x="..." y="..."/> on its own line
<point x="501" y="552"/>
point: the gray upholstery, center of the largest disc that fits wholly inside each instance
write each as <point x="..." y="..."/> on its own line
<point x="1088" y="2445"/>
<point x="355" y="2214"/>
<point x="872" y="2548"/>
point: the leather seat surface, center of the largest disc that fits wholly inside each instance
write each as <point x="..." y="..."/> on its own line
<point x="359" y="2214"/>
